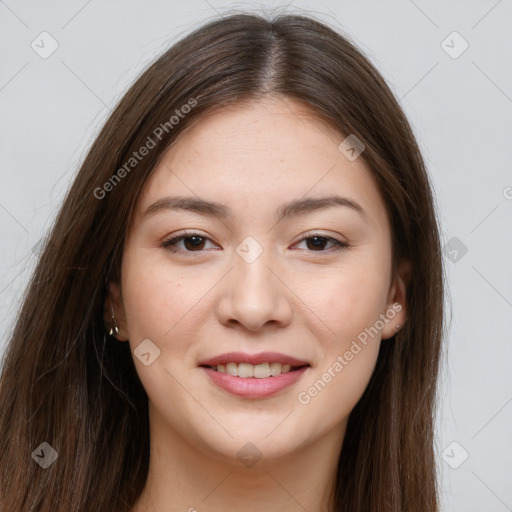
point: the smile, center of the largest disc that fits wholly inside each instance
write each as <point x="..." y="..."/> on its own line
<point x="253" y="375"/>
<point x="257" y="371"/>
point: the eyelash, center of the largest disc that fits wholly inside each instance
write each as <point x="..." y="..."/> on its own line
<point x="171" y="243"/>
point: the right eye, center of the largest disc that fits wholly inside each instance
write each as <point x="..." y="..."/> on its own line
<point x="193" y="242"/>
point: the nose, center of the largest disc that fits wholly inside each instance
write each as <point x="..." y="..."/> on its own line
<point x="255" y="296"/>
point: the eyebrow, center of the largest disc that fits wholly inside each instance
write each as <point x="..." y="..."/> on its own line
<point x="218" y="210"/>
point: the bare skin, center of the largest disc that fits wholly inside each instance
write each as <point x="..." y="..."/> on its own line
<point x="306" y="299"/>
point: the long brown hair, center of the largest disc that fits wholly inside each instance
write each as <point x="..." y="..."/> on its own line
<point x="65" y="383"/>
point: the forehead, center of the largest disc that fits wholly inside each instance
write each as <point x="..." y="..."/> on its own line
<point x="256" y="156"/>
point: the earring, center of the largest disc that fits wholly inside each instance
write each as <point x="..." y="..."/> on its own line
<point x="397" y="327"/>
<point x="113" y="327"/>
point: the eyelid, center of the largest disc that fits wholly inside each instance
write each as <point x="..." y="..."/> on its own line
<point x="338" y="244"/>
<point x="311" y="234"/>
<point x="166" y="243"/>
<point x="186" y="233"/>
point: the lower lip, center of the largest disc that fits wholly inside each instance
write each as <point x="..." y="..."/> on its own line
<point x="252" y="387"/>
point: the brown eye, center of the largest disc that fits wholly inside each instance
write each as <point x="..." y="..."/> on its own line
<point x="191" y="243"/>
<point x="317" y="243"/>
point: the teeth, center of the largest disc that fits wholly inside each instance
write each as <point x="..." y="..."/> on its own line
<point x="245" y="370"/>
<point x="275" y="369"/>
<point x="262" y="370"/>
<point x="258" y="371"/>
<point x="232" y="369"/>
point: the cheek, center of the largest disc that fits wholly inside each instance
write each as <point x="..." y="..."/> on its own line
<point x="350" y="305"/>
<point x="336" y="387"/>
<point x="150" y="308"/>
<point x="347" y="300"/>
<point x="156" y="297"/>
<point x="159" y="307"/>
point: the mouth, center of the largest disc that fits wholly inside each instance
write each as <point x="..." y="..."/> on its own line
<point x="253" y="376"/>
<point x="255" y="371"/>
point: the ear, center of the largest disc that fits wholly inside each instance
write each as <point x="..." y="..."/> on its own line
<point x="114" y="303"/>
<point x="396" y="312"/>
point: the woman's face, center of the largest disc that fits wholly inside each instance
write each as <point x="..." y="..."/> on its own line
<point x="244" y="282"/>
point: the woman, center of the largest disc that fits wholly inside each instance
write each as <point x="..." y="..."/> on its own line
<point x="240" y="304"/>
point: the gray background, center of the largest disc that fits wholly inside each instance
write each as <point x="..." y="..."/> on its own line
<point x="460" y="109"/>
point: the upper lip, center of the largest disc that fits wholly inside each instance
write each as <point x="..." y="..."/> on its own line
<point x="262" y="357"/>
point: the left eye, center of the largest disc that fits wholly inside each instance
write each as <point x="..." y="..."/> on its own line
<point x="318" y="241"/>
<point x="195" y="242"/>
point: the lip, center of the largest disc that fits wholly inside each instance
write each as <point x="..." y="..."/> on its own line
<point x="262" y="357"/>
<point x="251" y="387"/>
